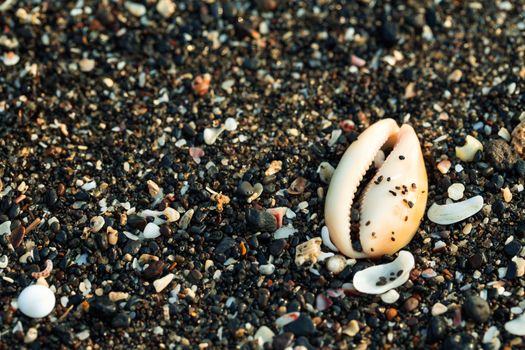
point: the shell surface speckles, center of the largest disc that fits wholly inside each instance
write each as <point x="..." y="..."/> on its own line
<point x="392" y="204"/>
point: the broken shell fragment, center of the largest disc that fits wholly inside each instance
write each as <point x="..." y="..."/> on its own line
<point x="308" y="251"/>
<point x="96" y="223"/>
<point x="212" y="134"/>
<point x="325" y="171"/>
<point x="382" y="278"/>
<point x="468" y="151"/>
<point x="391" y="205"/>
<point x="455" y="212"/>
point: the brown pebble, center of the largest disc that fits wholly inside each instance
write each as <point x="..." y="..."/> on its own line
<point x="61" y="190"/>
<point x="391" y="313"/>
<point x="411" y="304"/>
<point x="153" y="271"/>
<point x="17" y="236"/>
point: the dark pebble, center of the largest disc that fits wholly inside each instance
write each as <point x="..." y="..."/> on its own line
<point x="195" y="276"/>
<point x="121" y="320"/>
<point x="437" y="329"/>
<point x="225" y="245"/>
<point x="260" y="220"/>
<point x="512" y="248"/>
<point x="263" y="297"/>
<point x="519" y="168"/>
<point x="411" y="304"/>
<point x="460" y="341"/>
<point x="500" y="155"/>
<point x="302" y="326"/>
<point x="282" y="341"/>
<point x="132" y="247"/>
<point x="153" y="271"/>
<point x="388" y="33"/>
<point x="137" y="222"/>
<point x="277" y="247"/>
<point x="102" y="307"/>
<point x="476" y="309"/>
<point x="475" y="261"/>
<point x="303" y="341"/>
<point x="245" y="189"/>
<point x="512" y="270"/>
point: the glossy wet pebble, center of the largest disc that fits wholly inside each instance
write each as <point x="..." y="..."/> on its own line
<point x="477" y="309"/>
<point x="36" y="301"/>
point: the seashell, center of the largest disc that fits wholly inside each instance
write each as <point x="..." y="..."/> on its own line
<point x="297" y="186"/>
<point x="308" y="251"/>
<point x="230" y="124"/>
<point x="455" y="212"/>
<point x="326" y="239"/>
<point x="390" y="297"/>
<point x="186" y="218"/>
<point x="336" y="264"/>
<point x="381" y="278"/>
<point x="36" y="301"/>
<point x="151" y="231"/>
<point x="45" y="272"/>
<point x="468" y="151"/>
<point x="96" y="223"/>
<point x="516" y="326"/>
<point x="325" y="171"/>
<point x="284" y="232"/>
<point x="392" y="204"/>
<point x="257" y="191"/>
<point x="4" y="260"/>
<point x="212" y="134"/>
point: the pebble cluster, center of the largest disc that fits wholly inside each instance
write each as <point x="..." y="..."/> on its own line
<point x="170" y="160"/>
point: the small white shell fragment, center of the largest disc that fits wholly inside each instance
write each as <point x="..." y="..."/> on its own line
<point x="451" y="213"/>
<point x="5" y="227"/>
<point x="10" y="58"/>
<point x="390" y="297"/>
<point x="336" y="264"/>
<point x="230" y="124"/>
<point x="468" y="151"/>
<point x="490" y="334"/>
<point x="287" y="318"/>
<point x="308" y="251"/>
<point x="171" y="214"/>
<point x="137" y="10"/>
<point x="96" y="223"/>
<point x="334" y="137"/>
<point x="31" y="335"/>
<point x="381" y="278"/>
<point x="163" y="282"/>
<point x="36" y="301"/>
<point x="89" y="186"/>
<point x="267" y="269"/>
<point x="455" y="191"/>
<point x="326" y="239"/>
<point x="264" y="335"/>
<point x="516" y="326"/>
<point x="186" y="218"/>
<point x="4" y="260"/>
<point x="284" y="232"/>
<point x="166" y="8"/>
<point x="117" y="296"/>
<point x="257" y="191"/>
<point x="438" y="309"/>
<point x="211" y="134"/>
<point x="151" y="231"/>
<point x="86" y="64"/>
<point x="325" y="171"/>
<point x="504" y="134"/>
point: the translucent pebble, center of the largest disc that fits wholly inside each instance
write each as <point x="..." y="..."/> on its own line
<point x="230" y="124"/>
<point x="36" y="301"/>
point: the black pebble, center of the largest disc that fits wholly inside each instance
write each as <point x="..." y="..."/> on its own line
<point x="282" y="341"/>
<point x="475" y="261"/>
<point x="260" y="220"/>
<point x="460" y="341"/>
<point x="388" y="33"/>
<point x="102" y="307"/>
<point x="121" y="320"/>
<point x="277" y="247"/>
<point x="512" y="269"/>
<point x="476" y="309"/>
<point x="132" y="247"/>
<point x="437" y="329"/>
<point x="225" y="245"/>
<point x="519" y="168"/>
<point x="512" y="248"/>
<point x="302" y="326"/>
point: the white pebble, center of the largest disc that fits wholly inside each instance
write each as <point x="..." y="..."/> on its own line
<point x="166" y="8"/>
<point x="151" y="231"/>
<point x="390" y="297"/>
<point x="5" y="227"/>
<point x="325" y="171"/>
<point x="163" y="282"/>
<point x="468" y="151"/>
<point x="36" y="301"/>
<point x="31" y="335"/>
<point x="438" y="309"/>
<point x="455" y="191"/>
<point x="137" y="10"/>
<point x="89" y="186"/>
<point x="267" y="269"/>
<point x="10" y="58"/>
<point x="264" y="335"/>
<point x="336" y="264"/>
<point x="230" y="124"/>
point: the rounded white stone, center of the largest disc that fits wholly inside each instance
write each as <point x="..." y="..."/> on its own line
<point x="390" y="297"/>
<point x="36" y="301"/>
<point x="455" y="191"/>
<point x="151" y="231"/>
<point x="230" y="124"/>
